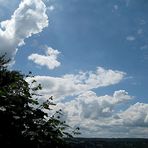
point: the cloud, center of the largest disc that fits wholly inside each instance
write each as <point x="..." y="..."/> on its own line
<point x="86" y="109"/>
<point x="90" y="106"/>
<point x="98" y="116"/>
<point x="51" y="8"/>
<point x="49" y="60"/>
<point x="116" y="7"/>
<point x="130" y="38"/>
<point x="135" y="115"/>
<point x="121" y="96"/>
<point x="95" y="115"/>
<point x="74" y="84"/>
<point x="28" y="19"/>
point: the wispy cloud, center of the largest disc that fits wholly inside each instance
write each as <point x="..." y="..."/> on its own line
<point x="51" y="8"/>
<point x="130" y="38"/>
<point x="116" y="7"/>
<point x="49" y="60"/>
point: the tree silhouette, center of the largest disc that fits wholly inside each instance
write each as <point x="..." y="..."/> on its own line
<point x="22" y="119"/>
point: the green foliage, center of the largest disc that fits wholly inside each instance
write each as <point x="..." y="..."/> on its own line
<point x="23" y="124"/>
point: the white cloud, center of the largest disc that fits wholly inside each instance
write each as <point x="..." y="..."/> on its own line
<point x="71" y="85"/>
<point x="116" y="7"/>
<point x="49" y="60"/>
<point x="28" y="19"/>
<point x="98" y="116"/>
<point x="87" y="110"/>
<point x="88" y="105"/>
<point x="95" y="115"/>
<point x="51" y="8"/>
<point x="135" y="115"/>
<point x="130" y="38"/>
<point x="121" y="96"/>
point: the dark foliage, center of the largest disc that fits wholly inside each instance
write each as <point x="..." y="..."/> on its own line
<point x="108" y="143"/>
<point x="21" y="123"/>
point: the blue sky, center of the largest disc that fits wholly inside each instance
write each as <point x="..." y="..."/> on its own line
<point x="91" y="55"/>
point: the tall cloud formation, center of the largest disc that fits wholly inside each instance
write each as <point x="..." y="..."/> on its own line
<point x="49" y="60"/>
<point x="28" y="19"/>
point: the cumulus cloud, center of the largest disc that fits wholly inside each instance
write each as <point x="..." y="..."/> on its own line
<point x="135" y="115"/>
<point x="90" y="106"/>
<point x="74" y="84"/>
<point x="95" y="113"/>
<point x="49" y="60"/>
<point x="28" y="19"/>
<point x="98" y="116"/>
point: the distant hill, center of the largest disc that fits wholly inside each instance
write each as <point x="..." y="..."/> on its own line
<point x="108" y="143"/>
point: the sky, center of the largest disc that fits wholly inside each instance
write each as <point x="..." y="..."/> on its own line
<point x="91" y="55"/>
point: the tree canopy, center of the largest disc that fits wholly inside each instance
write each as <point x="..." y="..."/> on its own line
<point x="23" y="121"/>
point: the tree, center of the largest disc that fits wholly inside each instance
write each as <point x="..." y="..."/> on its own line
<point x="22" y="119"/>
